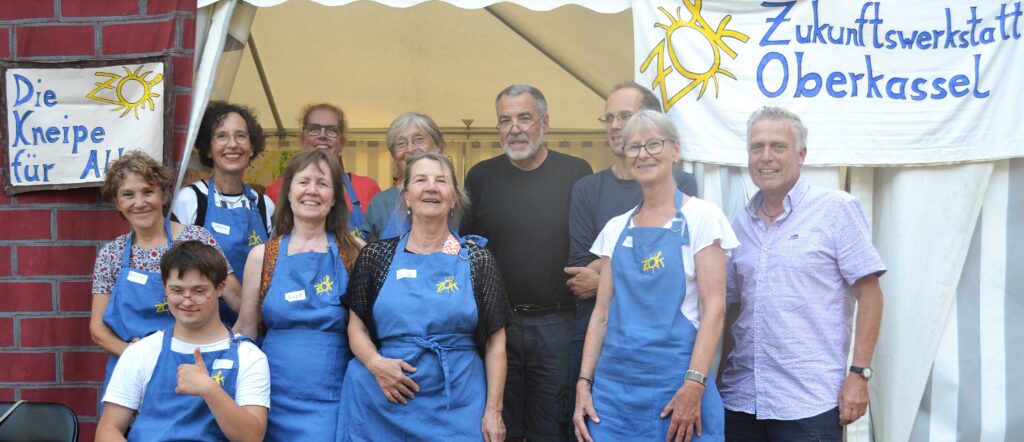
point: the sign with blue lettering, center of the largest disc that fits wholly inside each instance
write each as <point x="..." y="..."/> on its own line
<point x="65" y="122"/>
<point x="876" y="82"/>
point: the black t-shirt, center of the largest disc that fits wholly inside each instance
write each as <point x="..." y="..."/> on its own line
<point x="525" y="217"/>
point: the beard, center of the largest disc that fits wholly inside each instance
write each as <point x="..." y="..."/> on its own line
<point x="522" y="154"/>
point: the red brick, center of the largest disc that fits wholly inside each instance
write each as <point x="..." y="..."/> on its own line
<point x="55" y="332"/>
<point x="188" y="33"/>
<point x="56" y="260"/>
<point x="93" y="8"/>
<point x="154" y="7"/>
<point x="5" y="43"/>
<point x="133" y="38"/>
<point x="85" y="195"/>
<point x="86" y="430"/>
<point x="84" y="366"/>
<point x="178" y="148"/>
<point x="29" y="367"/>
<point x="48" y="41"/>
<point x="16" y="296"/>
<point x="181" y="68"/>
<point x="6" y="332"/>
<point x="82" y="400"/>
<point x="75" y="296"/>
<point x="7" y="395"/>
<point x="5" y="261"/>
<point x="19" y="9"/>
<point x="32" y="224"/>
<point x="182" y="106"/>
<point x="90" y="224"/>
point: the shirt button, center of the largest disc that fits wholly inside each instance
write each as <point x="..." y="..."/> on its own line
<point x="765" y="249"/>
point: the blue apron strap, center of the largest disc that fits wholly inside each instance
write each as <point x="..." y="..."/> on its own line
<point x="679" y="223"/>
<point x="356" y="217"/>
<point x="442" y="355"/>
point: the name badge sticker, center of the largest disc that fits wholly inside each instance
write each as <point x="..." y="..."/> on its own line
<point x="297" y="295"/>
<point x="406" y="273"/>
<point x="223" y="364"/>
<point x="628" y="242"/>
<point x="222" y="229"/>
<point x="138" y="278"/>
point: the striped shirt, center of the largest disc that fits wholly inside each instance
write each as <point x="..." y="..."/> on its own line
<point x="792" y="281"/>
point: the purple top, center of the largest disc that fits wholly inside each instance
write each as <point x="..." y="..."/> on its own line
<point x="792" y="281"/>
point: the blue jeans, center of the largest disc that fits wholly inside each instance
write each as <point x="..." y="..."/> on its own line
<point x="743" y="427"/>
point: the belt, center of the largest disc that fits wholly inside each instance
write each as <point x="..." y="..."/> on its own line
<point x="539" y="309"/>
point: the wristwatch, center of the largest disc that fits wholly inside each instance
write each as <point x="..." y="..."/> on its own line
<point x="864" y="372"/>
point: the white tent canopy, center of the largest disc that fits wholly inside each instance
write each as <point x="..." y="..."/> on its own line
<point x="947" y="233"/>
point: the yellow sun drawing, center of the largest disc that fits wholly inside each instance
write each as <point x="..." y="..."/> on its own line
<point x="714" y="36"/>
<point x="654" y="263"/>
<point x="218" y="378"/>
<point x="325" y="285"/>
<point x="162" y="307"/>
<point x="120" y="96"/>
<point x="254" y="239"/>
<point x="448" y="285"/>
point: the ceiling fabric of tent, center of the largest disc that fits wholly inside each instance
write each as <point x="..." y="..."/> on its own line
<point x="377" y="61"/>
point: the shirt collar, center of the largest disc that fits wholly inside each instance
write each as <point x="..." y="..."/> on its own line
<point x="795" y="195"/>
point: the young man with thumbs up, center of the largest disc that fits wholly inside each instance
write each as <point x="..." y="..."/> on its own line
<point x="196" y="380"/>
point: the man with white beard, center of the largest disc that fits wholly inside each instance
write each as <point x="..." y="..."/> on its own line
<point x="520" y="203"/>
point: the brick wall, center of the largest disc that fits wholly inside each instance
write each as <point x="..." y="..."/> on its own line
<point x="48" y="240"/>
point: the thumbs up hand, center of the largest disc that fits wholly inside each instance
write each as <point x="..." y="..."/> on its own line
<point x="194" y="379"/>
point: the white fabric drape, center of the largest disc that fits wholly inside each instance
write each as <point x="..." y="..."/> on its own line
<point x="603" y="6"/>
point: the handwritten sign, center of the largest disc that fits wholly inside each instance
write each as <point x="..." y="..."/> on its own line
<point x="876" y="82"/>
<point x="65" y="122"/>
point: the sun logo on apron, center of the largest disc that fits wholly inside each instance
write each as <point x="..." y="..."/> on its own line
<point x="356" y="233"/>
<point x="162" y="307"/>
<point x="448" y="285"/>
<point x="254" y="239"/>
<point x="715" y="36"/>
<point x="653" y="263"/>
<point x="218" y="378"/>
<point x="325" y="285"/>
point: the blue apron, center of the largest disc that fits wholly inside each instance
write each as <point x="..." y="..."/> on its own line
<point x="166" y="415"/>
<point x="397" y="224"/>
<point x="137" y="306"/>
<point x="425" y="314"/>
<point x="648" y="344"/>
<point x="237" y="231"/>
<point x="357" y="225"/>
<point x="306" y="343"/>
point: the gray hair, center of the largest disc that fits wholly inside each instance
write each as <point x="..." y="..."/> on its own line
<point x="660" y="123"/>
<point x="779" y="113"/>
<point x="410" y="119"/>
<point x="519" y="89"/>
<point x="648" y="100"/>
<point x="461" y="196"/>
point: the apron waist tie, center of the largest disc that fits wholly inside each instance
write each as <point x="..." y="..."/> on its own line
<point x="439" y="345"/>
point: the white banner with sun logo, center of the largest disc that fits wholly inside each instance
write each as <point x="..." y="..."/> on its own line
<point x="875" y="82"/>
<point x="65" y="122"/>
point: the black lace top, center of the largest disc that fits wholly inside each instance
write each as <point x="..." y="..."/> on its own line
<point x="371" y="269"/>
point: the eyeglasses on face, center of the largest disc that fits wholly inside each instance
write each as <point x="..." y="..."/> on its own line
<point x="523" y="123"/>
<point x="653" y="147"/>
<point x="313" y="130"/>
<point x="225" y="137"/>
<point x="609" y="118"/>
<point x="418" y="140"/>
<point x="198" y="298"/>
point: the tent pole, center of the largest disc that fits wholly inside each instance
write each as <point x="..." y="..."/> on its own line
<point x="266" y="86"/>
<point x="538" y="46"/>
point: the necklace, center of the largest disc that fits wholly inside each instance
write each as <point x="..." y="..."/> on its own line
<point x="771" y="218"/>
<point x="226" y="201"/>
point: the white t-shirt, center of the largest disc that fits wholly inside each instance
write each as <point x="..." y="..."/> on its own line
<point x="185" y="208"/>
<point x="135" y="368"/>
<point x="706" y="223"/>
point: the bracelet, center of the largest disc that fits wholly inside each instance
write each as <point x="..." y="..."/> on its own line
<point x="697" y="377"/>
<point x="587" y="380"/>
